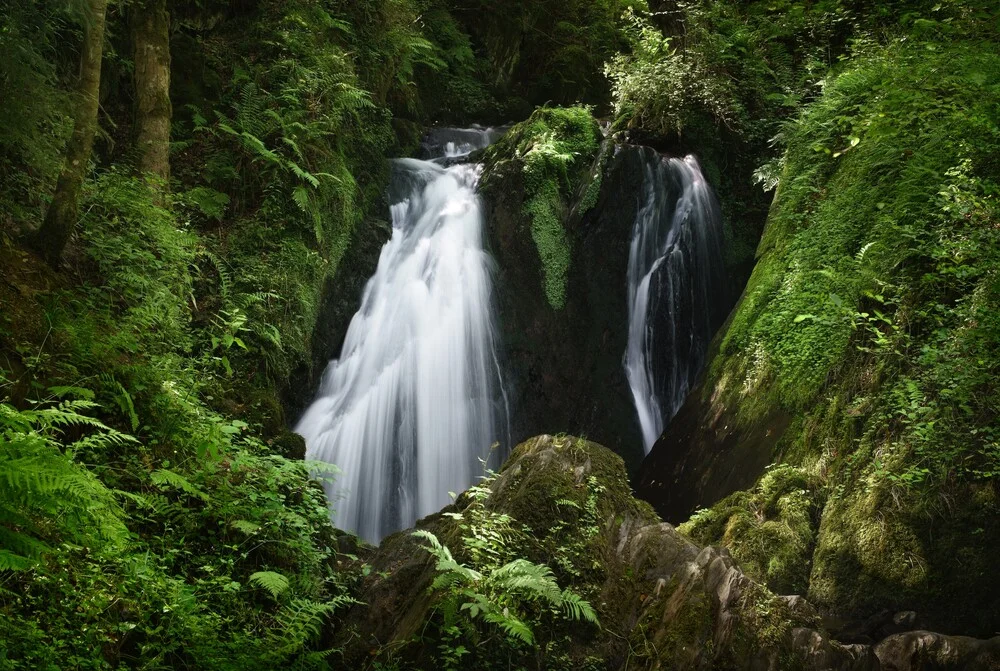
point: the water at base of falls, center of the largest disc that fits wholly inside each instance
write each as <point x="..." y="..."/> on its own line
<point x="676" y="280"/>
<point x="415" y="401"/>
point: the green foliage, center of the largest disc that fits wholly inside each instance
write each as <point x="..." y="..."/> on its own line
<point x="275" y="583"/>
<point x="877" y="164"/>
<point x="746" y="66"/>
<point x="279" y="166"/>
<point x="142" y="259"/>
<point x="552" y="149"/>
<point x="45" y="495"/>
<point x="198" y="532"/>
<point x="177" y="318"/>
<point x="35" y="120"/>
<point x="542" y="51"/>
<point x="721" y="79"/>
<point x="659" y="87"/>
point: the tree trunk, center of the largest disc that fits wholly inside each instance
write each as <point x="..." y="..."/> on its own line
<point x="151" y="38"/>
<point x="60" y="220"/>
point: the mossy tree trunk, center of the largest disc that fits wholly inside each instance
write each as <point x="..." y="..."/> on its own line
<point x="151" y="40"/>
<point x="60" y="220"/>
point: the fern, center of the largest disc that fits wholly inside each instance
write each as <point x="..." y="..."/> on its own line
<point x="499" y="595"/>
<point x="299" y="622"/>
<point x="302" y="174"/>
<point x="223" y="271"/>
<point x="512" y="626"/>
<point x="122" y="398"/>
<point x="165" y="478"/>
<point x="576" y="608"/>
<point x="275" y="583"/>
<point x="243" y="526"/>
<point x="44" y="495"/>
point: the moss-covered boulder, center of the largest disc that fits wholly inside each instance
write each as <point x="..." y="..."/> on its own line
<point x="662" y="601"/>
<point x="551" y="152"/>
<point x="559" y="207"/>
<point x="926" y="650"/>
<point x="771" y="529"/>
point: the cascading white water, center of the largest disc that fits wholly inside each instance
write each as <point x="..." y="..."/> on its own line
<point x="416" y="398"/>
<point x="675" y="279"/>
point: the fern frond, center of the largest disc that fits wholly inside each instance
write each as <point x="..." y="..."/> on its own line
<point x="273" y="582"/>
<point x="165" y="478"/>
<point x="299" y="621"/>
<point x="303" y="174"/>
<point x="246" y="527"/>
<point x="14" y="562"/>
<point x="512" y="626"/>
<point x="79" y="392"/>
<point x="434" y="547"/>
<point x="576" y="608"/>
<point x="534" y="581"/>
<point x="300" y="195"/>
<point x="225" y="276"/>
<point x="122" y="398"/>
<point x="257" y="146"/>
<point x="44" y="495"/>
<point x="295" y="147"/>
<point x="446" y="580"/>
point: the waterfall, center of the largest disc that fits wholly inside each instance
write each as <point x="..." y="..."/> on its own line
<point x="676" y="280"/>
<point x="415" y="400"/>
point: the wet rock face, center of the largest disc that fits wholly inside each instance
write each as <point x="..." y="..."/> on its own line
<point x="706" y="454"/>
<point x="663" y="602"/>
<point x="564" y="367"/>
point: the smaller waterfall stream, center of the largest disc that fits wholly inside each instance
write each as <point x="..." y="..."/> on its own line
<point x="675" y="277"/>
<point x="416" y="400"/>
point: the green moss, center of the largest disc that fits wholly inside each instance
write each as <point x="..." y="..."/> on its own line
<point x="551" y="240"/>
<point x="868" y="552"/>
<point x="770" y="530"/>
<point x="553" y="149"/>
<point x="853" y="181"/>
<point x="592" y="190"/>
<point x="689" y="633"/>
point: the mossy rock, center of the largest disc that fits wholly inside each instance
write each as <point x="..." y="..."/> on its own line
<point x="771" y="529"/>
<point x="564" y="360"/>
<point x="553" y="149"/>
<point x="289" y="445"/>
<point x="877" y="551"/>
<point x="663" y="602"/>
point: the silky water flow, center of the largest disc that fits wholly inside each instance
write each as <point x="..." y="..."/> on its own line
<point x="415" y="403"/>
<point x="676" y="281"/>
